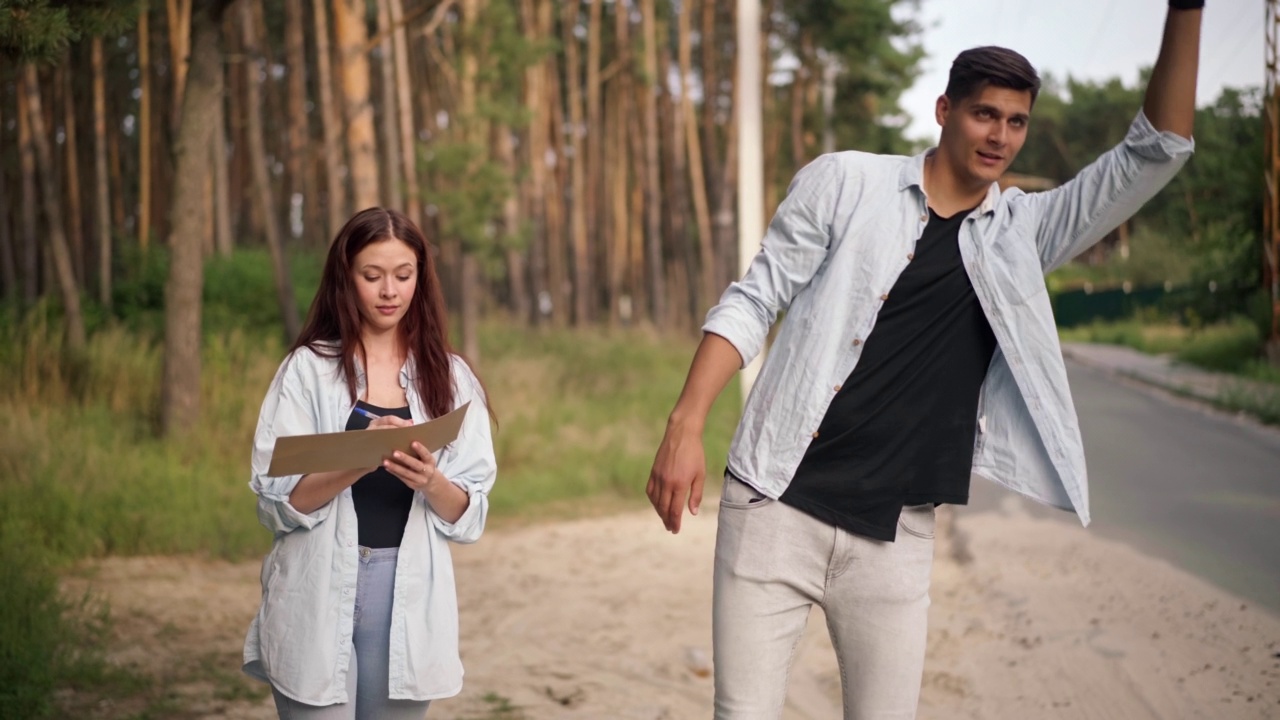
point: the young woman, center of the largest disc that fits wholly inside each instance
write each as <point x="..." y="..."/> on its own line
<point x="359" y="615"/>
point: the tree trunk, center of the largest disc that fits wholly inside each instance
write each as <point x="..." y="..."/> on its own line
<point x="144" y="131"/>
<point x="102" y="206"/>
<point x="71" y="180"/>
<point x="538" y="134"/>
<point x="726" y="196"/>
<point x="618" y="168"/>
<point x="653" y="170"/>
<point x="516" y="284"/>
<point x="256" y="72"/>
<point x="55" y="230"/>
<point x="698" y="184"/>
<point x="223" y="225"/>
<point x="556" y="255"/>
<point x="180" y="388"/>
<point x="671" y="124"/>
<point x="575" y="156"/>
<point x="798" y="80"/>
<point x="179" y="14"/>
<point x="772" y="129"/>
<point x="404" y="103"/>
<point x="392" y="188"/>
<point x="297" y="160"/>
<point x="335" y="193"/>
<point x="467" y="121"/>
<point x="8" y="263"/>
<point x="595" y="171"/>
<point x="29" y="243"/>
<point x="710" y="97"/>
<point x="352" y="34"/>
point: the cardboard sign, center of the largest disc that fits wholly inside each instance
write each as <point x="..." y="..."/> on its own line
<point x="302" y="454"/>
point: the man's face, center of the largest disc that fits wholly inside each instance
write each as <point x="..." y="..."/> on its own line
<point x="981" y="135"/>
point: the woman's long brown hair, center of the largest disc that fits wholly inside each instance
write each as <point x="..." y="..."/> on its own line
<point x="333" y="323"/>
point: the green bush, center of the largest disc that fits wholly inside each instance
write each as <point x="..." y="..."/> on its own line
<point x="1226" y="347"/>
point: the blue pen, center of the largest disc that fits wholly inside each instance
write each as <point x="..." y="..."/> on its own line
<point x="366" y="413"/>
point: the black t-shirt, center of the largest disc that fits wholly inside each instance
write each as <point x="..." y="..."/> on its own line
<point x="382" y="500"/>
<point x="900" y="431"/>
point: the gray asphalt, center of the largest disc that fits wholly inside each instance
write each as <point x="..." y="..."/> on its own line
<point x="1198" y="489"/>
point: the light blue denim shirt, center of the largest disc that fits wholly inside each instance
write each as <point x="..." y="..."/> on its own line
<point x="300" y="640"/>
<point x="845" y="232"/>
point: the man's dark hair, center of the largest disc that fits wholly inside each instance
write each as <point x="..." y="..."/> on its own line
<point x="977" y="68"/>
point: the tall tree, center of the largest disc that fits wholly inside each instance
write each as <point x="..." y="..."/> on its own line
<point x="28" y="242"/>
<point x="297" y="159"/>
<point x="180" y="385"/>
<point x="576" y="157"/>
<point x="52" y="203"/>
<point x="698" y="185"/>
<point x="102" y="183"/>
<point x="653" y="168"/>
<point x="404" y="104"/>
<point x="594" y="131"/>
<point x="8" y="262"/>
<point x="352" y="33"/>
<point x="331" y="125"/>
<point x="71" y="179"/>
<point x="392" y="187"/>
<point x="178" y="13"/>
<point x="144" y="130"/>
<point x="255" y="69"/>
<point x="471" y="11"/>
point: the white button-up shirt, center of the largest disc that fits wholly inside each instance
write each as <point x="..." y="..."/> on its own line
<point x="300" y="640"/>
<point x="845" y="232"/>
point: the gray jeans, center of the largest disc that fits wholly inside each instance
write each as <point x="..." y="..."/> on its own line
<point x="367" y="689"/>
<point x="773" y="563"/>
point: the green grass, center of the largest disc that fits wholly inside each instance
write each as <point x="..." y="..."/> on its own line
<point x="581" y="415"/>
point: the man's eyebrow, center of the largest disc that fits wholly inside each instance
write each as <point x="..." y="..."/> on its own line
<point x="978" y="107"/>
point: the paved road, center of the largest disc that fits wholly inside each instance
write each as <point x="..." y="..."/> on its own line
<point x="1198" y="489"/>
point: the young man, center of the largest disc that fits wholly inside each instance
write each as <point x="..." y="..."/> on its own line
<point x="919" y="345"/>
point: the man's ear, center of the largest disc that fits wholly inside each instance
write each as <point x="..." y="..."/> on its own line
<point x="941" y="109"/>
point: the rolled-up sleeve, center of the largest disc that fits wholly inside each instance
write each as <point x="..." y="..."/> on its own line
<point x="469" y="462"/>
<point x="1079" y="213"/>
<point x="791" y="252"/>
<point x="287" y="410"/>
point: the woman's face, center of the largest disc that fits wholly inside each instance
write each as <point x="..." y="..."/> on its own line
<point x="385" y="274"/>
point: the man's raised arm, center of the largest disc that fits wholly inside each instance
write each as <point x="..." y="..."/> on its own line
<point x="1170" y="102"/>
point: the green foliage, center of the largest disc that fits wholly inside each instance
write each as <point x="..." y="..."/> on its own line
<point x="47" y="641"/>
<point x="1226" y="347"/>
<point x="875" y="45"/>
<point x="462" y="181"/>
<point x="40" y="30"/>
<point x="239" y="291"/>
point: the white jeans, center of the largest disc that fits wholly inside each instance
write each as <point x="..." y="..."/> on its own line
<point x="773" y="563"/>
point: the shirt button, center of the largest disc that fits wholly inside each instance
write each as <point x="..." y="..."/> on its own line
<point x="911" y="256"/>
<point x="815" y="434"/>
<point x="837" y="388"/>
<point x="924" y="218"/>
<point x="350" y="543"/>
<point x="857" y="342"/>
<point x="884" y="296"/>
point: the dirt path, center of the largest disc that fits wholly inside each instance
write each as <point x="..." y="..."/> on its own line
<point x="609" y="618"/>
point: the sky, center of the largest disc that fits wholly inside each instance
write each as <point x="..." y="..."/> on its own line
<point x="1084" y="39"/>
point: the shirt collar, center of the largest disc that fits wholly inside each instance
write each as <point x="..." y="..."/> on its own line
<point x="912" y="175"/>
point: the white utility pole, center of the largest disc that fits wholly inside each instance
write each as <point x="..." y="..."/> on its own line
<point x="750" y="158"/>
